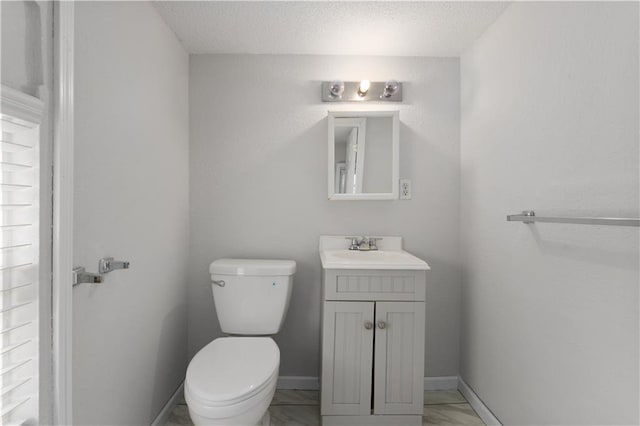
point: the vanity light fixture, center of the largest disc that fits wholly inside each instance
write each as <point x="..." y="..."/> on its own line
<point x="361" y="91"/>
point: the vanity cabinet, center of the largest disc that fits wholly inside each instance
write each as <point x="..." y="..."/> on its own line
<point x="373" y="347"/>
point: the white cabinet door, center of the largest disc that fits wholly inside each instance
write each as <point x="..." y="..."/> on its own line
<point x="399" y="358"/>
<point x="347" y="357"/>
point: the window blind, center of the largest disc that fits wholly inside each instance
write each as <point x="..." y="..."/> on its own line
<point x="19" y="252"/>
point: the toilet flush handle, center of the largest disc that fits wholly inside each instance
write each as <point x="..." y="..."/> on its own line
<point x="221" y="283"/>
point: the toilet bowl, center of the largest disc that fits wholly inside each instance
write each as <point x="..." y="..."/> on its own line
<point x="232" y="380"/>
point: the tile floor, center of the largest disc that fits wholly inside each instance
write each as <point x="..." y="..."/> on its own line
<point x="300" y="407"/>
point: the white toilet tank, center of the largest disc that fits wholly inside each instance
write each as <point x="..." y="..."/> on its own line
<point x="251" y="296"/>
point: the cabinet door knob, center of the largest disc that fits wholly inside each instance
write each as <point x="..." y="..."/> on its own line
<point x="382" y="325"/>
<point x="368" y="325"/>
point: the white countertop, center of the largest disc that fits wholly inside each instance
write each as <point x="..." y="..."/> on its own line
<point x="334" y="254"/>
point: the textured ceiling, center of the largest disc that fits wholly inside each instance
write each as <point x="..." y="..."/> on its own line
<point x="329" y="28"/>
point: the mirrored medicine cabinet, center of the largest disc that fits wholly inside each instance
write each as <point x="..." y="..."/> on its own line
<point x="363" y="151"/>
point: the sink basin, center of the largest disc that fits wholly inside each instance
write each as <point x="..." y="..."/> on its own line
<point x="380" y="259"/>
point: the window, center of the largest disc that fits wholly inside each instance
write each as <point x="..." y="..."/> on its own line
<point x="20" y="117"/>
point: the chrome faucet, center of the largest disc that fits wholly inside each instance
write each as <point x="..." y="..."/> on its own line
<point x="355" y="244"/>
<point x="364" y="243"/>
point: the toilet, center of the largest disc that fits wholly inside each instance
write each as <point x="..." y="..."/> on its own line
<point x="231" y="381"/>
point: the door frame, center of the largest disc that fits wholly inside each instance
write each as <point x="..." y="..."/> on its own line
<point x="62" y="263"/>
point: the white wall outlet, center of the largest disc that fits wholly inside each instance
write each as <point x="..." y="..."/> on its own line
<point x="405" y="189"/>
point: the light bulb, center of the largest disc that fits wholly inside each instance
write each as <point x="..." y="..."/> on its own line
<point x="364" y="87"/>
<point x="336" y="88"/>
<point x="390" y="88"/>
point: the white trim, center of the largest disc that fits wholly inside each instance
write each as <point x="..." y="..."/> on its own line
<point x="298" y="382"/>
<point x="21" y="105"/>
<point x="163" y="416"/>
<point x="441" y="383"/>
<point x="365" y="196"/>
<point x="476" y="403"/>
<point x="63" y="210"/>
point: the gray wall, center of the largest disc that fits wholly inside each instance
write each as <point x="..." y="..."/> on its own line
<point x="26" y="45"/>
<point x="131" y="202"/>
<point x="550" y="122"/>
<point x="258" y="173"/>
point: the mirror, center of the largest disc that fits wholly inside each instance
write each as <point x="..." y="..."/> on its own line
<point x="363" y="155"/>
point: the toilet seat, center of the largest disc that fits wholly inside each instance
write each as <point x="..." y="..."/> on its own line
<point x="232" y="371"/>
<point x="254" y="406"/>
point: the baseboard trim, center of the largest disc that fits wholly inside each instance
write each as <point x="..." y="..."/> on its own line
<point x="298" y="382"/>
<point x="476" y="403"/>
<point x="441" y="383"/>
<point x="162" y="417"/>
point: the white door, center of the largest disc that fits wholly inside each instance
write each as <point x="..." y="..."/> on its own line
<point x="399" y="358"/>
<point x="347" y="357"/>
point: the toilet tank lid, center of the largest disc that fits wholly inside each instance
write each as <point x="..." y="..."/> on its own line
<point x="253" y="267"/>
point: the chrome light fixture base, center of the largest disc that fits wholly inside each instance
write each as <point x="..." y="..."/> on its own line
<point x="349" y="91"/>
